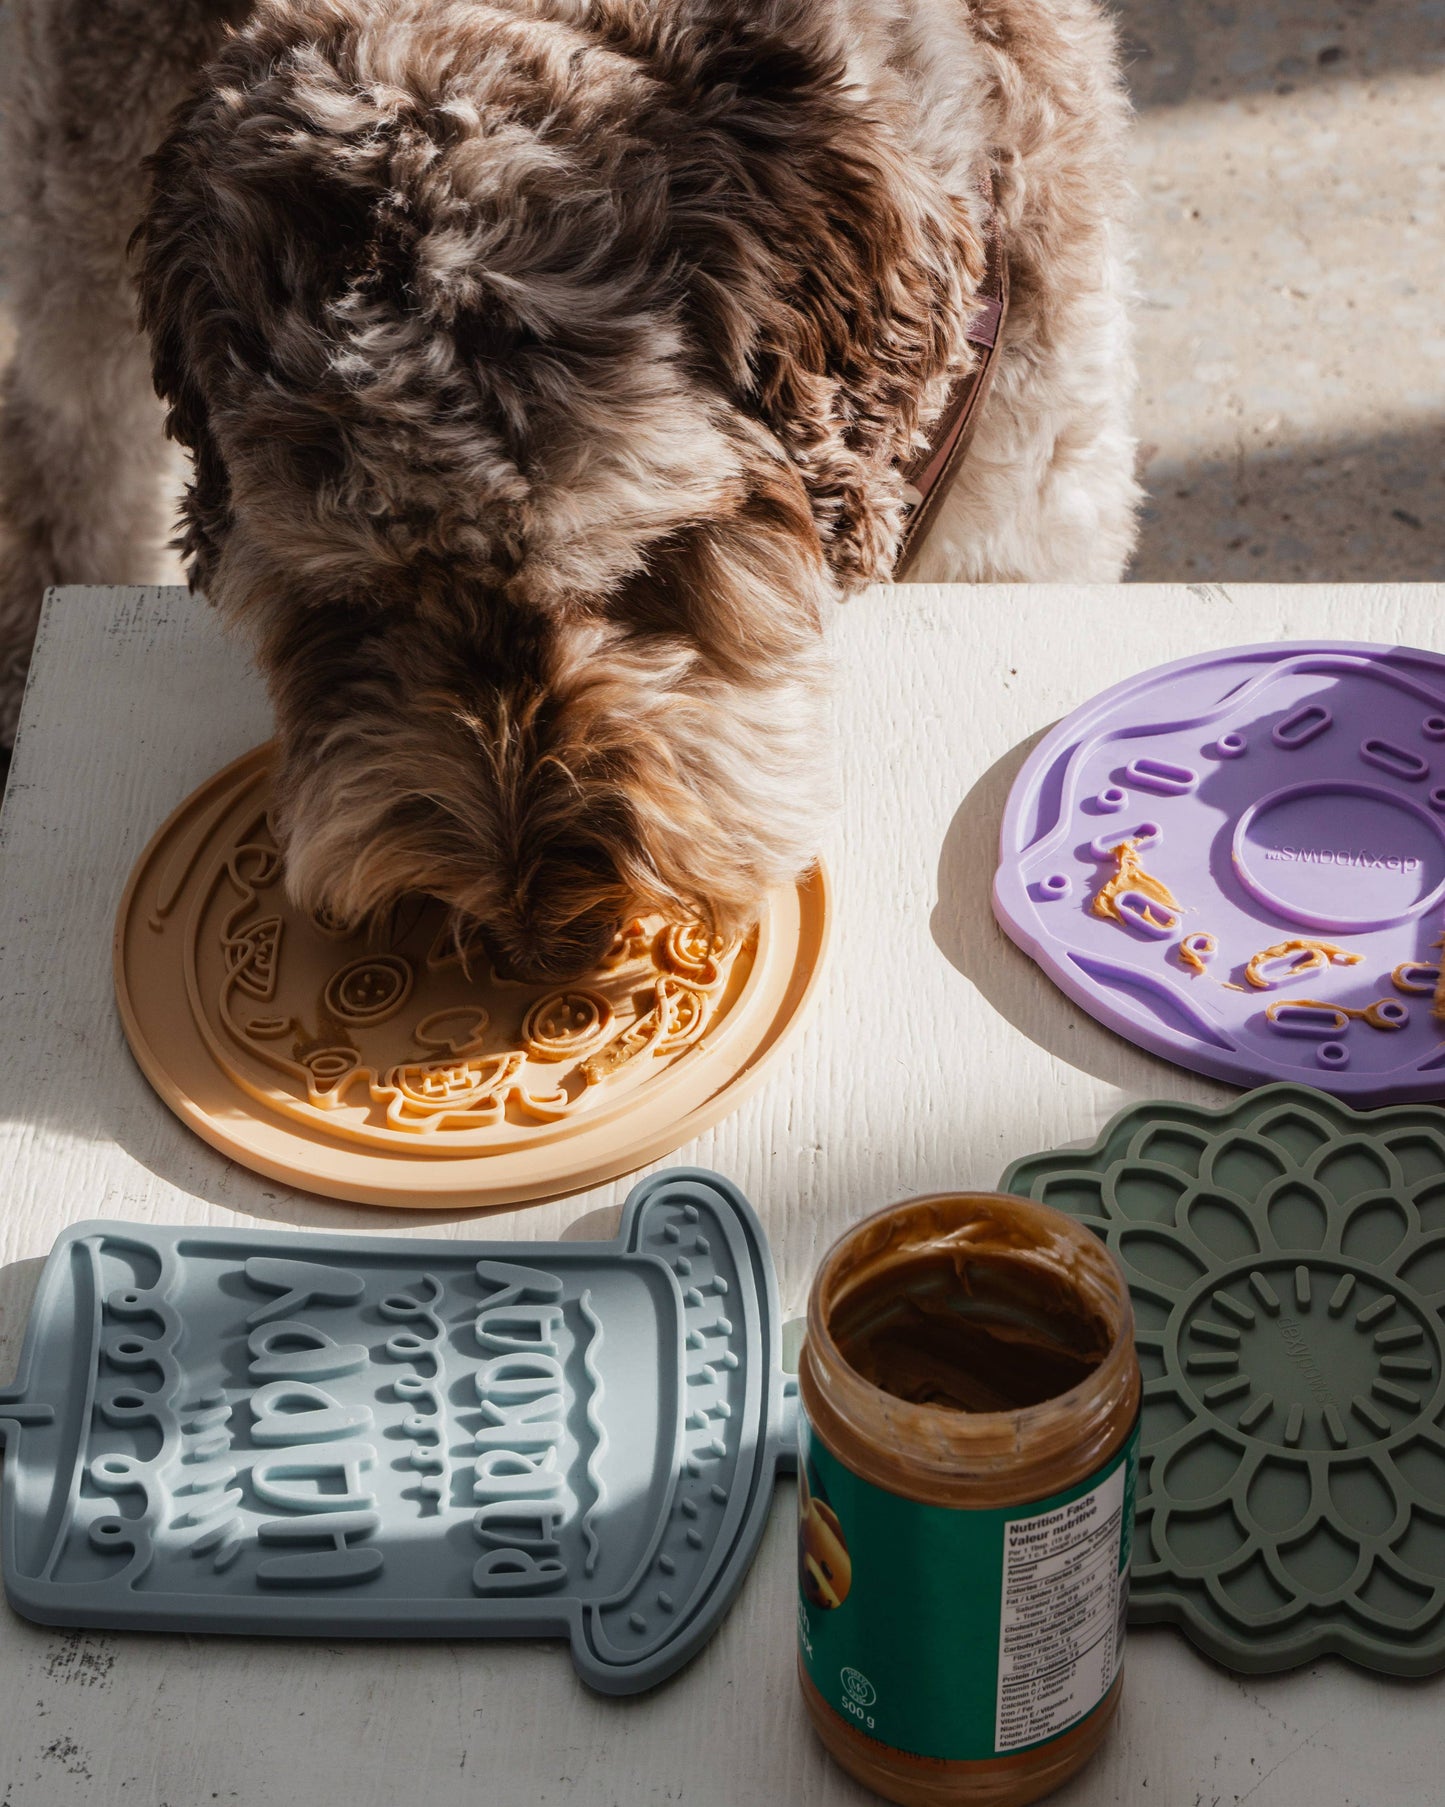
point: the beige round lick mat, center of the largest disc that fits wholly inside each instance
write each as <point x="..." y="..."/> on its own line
<point x="394" y="1067"/>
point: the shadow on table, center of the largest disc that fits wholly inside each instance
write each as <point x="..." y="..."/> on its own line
<point x="74" y="1107"/>
<point x="968" y="936"/>
<point x="135" y="1119"/>
<point x="280" y="1207"/>
<point x="17" y="1290"/>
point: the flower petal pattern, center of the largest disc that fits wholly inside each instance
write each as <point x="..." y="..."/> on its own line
<point x="1286" y="1256"/>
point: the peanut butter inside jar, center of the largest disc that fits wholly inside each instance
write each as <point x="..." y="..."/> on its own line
<point x="970" y="1397"/>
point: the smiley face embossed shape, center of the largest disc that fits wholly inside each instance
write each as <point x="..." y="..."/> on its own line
<point x="282" y="1433"/>
<point x="1286" y="1259"/>
<point x="394" y="1065"/>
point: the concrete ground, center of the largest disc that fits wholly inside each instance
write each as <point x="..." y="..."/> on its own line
<point x="1290" y="161"/>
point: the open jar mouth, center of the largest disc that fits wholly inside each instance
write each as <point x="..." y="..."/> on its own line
<point x="967" y="1339"/>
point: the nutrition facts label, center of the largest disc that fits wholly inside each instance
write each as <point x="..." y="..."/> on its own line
<point x="1060" y="1639"/>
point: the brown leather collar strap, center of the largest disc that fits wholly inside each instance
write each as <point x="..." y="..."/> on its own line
<point x="930" y="474"/>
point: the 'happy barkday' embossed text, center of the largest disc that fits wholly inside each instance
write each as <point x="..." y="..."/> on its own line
<point x="522" y="1501"/>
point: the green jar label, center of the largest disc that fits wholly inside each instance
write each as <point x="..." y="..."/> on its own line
<point x="956" y="1633"/>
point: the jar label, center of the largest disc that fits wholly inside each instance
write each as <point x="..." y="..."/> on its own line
<point x="957" y="1633"/>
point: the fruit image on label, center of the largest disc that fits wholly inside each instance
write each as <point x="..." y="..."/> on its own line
<point x="825" y="1569"/>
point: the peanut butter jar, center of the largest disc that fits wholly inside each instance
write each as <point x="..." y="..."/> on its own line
<point x="969" y="1439"/>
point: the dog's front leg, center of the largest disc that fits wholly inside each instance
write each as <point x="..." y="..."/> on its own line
<point x="83" y="462"/>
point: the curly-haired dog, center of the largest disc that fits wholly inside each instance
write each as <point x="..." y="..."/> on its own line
<point x="549" y="367"/>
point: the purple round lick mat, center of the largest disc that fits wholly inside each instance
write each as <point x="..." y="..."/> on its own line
<point x="1238" y="861"/>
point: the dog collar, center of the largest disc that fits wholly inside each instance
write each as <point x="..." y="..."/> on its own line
<point x="929" y="475"/>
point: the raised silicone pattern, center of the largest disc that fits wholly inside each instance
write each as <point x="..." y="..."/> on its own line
<point x="1286" y="1259"/>
<point x="395" y="1066"/>
<point x="348" y="1436"/>
<point x="1273" y="795"/>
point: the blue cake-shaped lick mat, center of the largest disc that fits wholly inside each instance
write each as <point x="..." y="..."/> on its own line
<point x="281" y="1433"/>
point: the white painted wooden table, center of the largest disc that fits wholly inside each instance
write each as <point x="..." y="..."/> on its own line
<point x="935" y="1054"/>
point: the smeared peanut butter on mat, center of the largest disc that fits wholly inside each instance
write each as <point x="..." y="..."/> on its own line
<point x="1195" y="951"/>
<point x="1129" y="876"/>
<point x="1308" y="957"/>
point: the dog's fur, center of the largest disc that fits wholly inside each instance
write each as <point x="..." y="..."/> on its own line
<point x="547" y="366"/>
